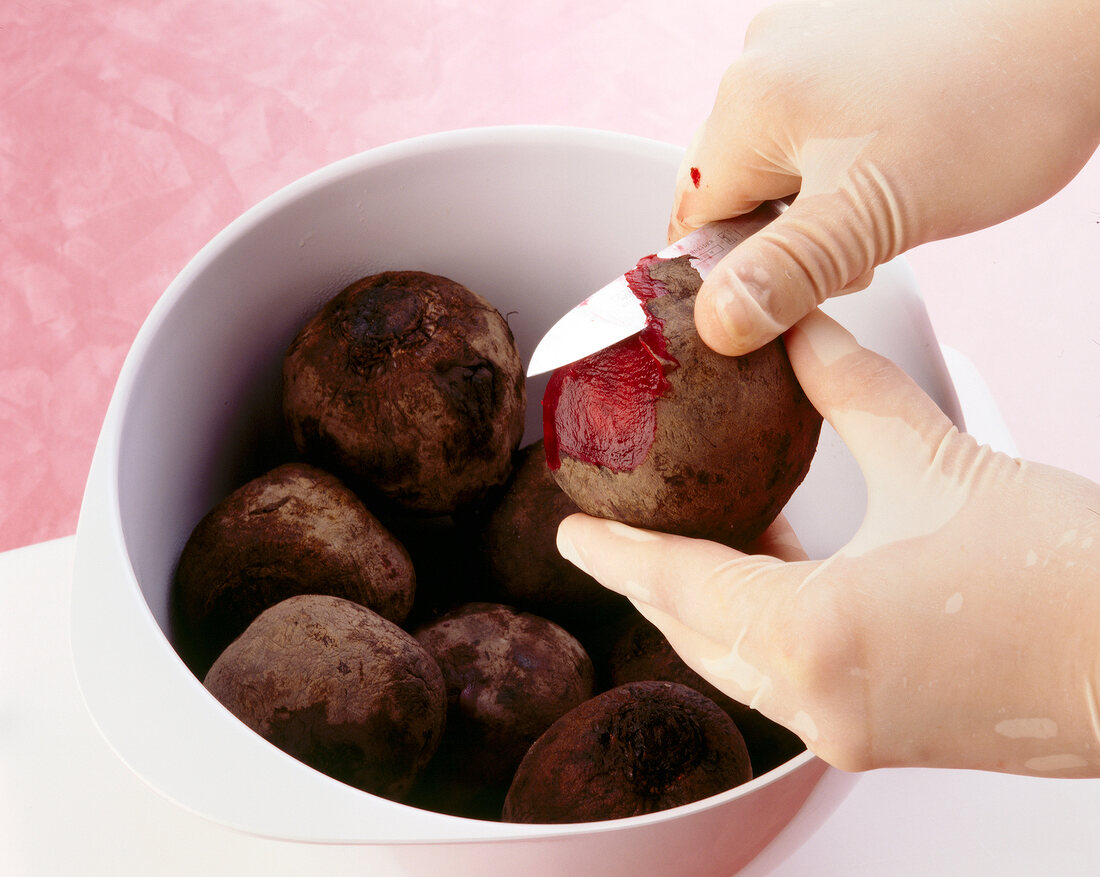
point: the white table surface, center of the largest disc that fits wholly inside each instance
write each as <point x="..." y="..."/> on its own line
<point x="68" y="806"/>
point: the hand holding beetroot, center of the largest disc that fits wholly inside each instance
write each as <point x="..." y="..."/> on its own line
<point x="957" y="628"/>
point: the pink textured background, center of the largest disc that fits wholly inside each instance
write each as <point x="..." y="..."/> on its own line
<point x="131" y="132"/>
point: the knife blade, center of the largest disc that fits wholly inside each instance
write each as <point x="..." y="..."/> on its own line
<point x="613" y="312"/>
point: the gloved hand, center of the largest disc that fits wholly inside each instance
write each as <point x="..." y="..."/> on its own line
<point x="897" y="123"/>
<point x="960" y="626"/>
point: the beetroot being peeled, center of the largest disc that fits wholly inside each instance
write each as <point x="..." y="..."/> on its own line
<point x="659" y="431"/>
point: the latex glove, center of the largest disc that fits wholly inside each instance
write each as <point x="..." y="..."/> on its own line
<point x="899" y="123"/>
<point x="960" y="626"/>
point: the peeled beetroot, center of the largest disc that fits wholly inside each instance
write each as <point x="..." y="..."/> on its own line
<point x="659" y="431"/>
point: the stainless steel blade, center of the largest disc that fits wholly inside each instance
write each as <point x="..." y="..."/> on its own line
<point x="614" y="312"/>
<point x="609" y="315"/>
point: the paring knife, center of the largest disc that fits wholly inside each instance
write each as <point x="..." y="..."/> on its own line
<point x="614" y="312"/>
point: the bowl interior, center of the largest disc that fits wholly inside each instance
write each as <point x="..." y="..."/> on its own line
<point x="532" y="232"/>
<point x="534" y="219"/>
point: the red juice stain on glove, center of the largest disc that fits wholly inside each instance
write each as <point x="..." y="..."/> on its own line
<point x="696" y="176"/>
<point x="603" y="408"/>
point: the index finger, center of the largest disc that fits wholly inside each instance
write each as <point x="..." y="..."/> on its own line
<point x="734" y="162"/>
<point x="703" y="584"/>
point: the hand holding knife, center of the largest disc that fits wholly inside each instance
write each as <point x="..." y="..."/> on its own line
<point x="614" y="312"/>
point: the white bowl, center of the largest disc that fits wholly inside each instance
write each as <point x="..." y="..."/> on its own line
<point x="533" y="219"/>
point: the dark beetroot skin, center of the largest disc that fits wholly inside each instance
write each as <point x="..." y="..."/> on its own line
<point x="641" y="652"/>
<point x="409" y="386"/>
<point x="635" y="749"/>
<point x="338" y="687"/>
<point x="519" y="541"/>
<point x="509" y="675"/>
<point x="296" y="529"/>
<point x="659" y="431"/>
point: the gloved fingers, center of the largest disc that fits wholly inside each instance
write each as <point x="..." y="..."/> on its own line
<point x="825" y="243"/>
<point x="858" y="285"/>
<point x="728" y="169"/>
<point x="739" y="621"/>
<point x="891" y="426"/>
<point x="779" y="540"/>
<point x="706" y="586"/>
<point x="701" y="197"/>
<point x="825" y="716"/>
<point x="742" y="681"/>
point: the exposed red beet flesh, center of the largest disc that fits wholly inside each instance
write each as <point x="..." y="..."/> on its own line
<point x="602" y="409"/>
